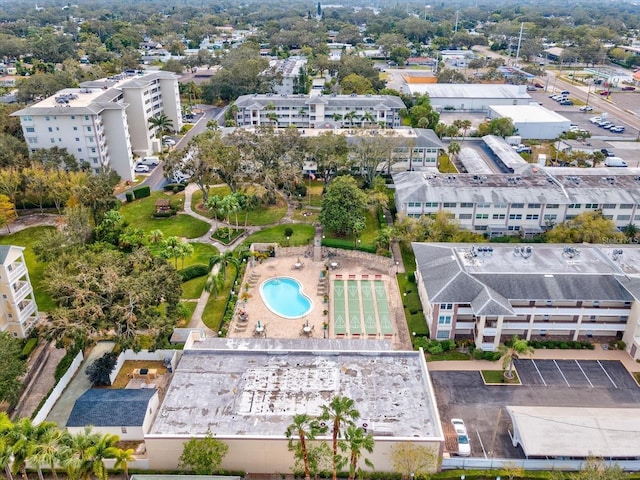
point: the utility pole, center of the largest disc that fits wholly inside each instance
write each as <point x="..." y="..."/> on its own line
<point x="519" y="42"/>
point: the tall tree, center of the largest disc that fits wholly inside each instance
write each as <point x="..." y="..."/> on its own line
<point x="161" y="124"/>
<point x="343" y="206"/>
<point x="7" y="212"/>
<point x="203" y="456"/>
<point x="590" y="227"/>
<point x="413" y="460"/>
<point x="303" y="429"/>
<point x="341" y="413"/>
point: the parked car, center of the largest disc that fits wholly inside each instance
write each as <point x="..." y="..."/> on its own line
<point x="139" y="168"/>
<point x="595" y="120"/>
<point x="604" y="124"/>
<point x="586" y="108"/>
<point x="565" y="92"/>
<point x="538" y="85"/>
<point x="628" y="88"/>
<point x="464" y="446"/>
<point x="605" y="93"/>
<point x="168" y="141"/>
<point x="606" y="152"/>
<point x="617" y="129"/>
<point x="149" y="161"/>
<point x="531" y="88"/>
<point x="566" y="102"/>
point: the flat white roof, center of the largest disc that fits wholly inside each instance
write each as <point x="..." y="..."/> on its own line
<point x="576" y="432"/>
<point x="529" y="114"/>
<point x="470" y="90"/>
<point x="255" y="388"/>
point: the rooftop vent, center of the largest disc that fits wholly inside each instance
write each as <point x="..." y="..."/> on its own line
<point x="570" y="252"/>
<point x="523" y="251"/>
<point x="617" y="253"/>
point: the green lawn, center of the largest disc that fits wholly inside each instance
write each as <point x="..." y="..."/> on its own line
<point x="263" y="215"/>
<point x="450" y="355"/>
<point x="139" y="214"/>
<point x="26" y="238"/>
<point x="497" y="377"/>
<point x="302" y="235"/>
<point x="202" y="252"/>
<point x="193" y="288"/>
<point x="214" y="310"/>
<point x="367" y="238"/>
<point x="191" y="307"/>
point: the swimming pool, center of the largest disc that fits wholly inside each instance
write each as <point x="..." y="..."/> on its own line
<point x="284" y="297"/>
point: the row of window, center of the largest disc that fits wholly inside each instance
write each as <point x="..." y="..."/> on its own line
<point x="497" y="206"/>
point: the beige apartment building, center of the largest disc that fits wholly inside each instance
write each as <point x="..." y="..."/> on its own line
<point x="18" y="309"/>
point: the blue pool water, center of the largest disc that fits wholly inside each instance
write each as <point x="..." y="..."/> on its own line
<point x="284" y="297"/>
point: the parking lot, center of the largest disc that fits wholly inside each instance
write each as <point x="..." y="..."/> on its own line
<point x="582" y="383"/>
<point x="574" y="373"/>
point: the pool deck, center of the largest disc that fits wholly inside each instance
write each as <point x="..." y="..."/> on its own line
<point x="309" y="275"/>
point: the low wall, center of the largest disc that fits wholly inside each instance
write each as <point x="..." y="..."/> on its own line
<point x="44" y="411"/>
<point x="155" y="356"/>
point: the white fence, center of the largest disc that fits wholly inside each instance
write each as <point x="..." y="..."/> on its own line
<point x="456" y="463"/>
<point x="172" y="357"/>
<point x="58" y="389"/>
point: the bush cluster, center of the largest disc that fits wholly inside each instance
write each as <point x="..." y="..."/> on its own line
<point x="141" y="192"/>
<point x="434" y="347"/>
<point x="168" y="214"/>
<point x="29" y="346"/>
<point x="129" y="196"/>
<point x="174" y="187"/>
<point x="193" y="271"/>
<point x="483" y="355"/>
<point x="561" y="344"/>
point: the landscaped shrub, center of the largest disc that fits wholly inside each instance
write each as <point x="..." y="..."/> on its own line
<point x="174" y="187"/>
<point x="562" y="344"/>
<point x="411" y="277"/>
<point x="66" y="361"/>
<point x="288" y="232"/>
<point x="482" y="355"/>
<point x="193" y="271"/>
<point x="165" y="214"/>
<point x="28" y="348"/>
<point x="142" y="192"/>
<point x="129" y="197"/>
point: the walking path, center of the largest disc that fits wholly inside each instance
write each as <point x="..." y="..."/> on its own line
<point x="542" y="354"/>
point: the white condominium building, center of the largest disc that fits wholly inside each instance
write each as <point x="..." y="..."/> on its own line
<point x="319" y="111"/>
<point x="490" y="292"/>
<point x="18" y="309"/>
<point x="104" y="122"/>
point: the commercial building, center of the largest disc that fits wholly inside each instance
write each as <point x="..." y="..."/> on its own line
<point x="319" y="111"/>
<point x="532" y="121"/>
<point x="288" y="75"/>
<point x="246" y="392"/>
<point x="490" y="293"/>
<point x="104" y="122"/>
<point x="18" y="309"/>
<point x="524" y="203"/>
<point x="470" y="97"/>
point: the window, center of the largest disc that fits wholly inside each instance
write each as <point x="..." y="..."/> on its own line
<point x="549" y="216"/>
<point x="466" y="205"/>
<point x="514" y="216"/>
<point x="624" y="217"/>
<point x="77" y="139"/>
<point x="500" y="205"/>
<point x="449" y="205"/>
<point x="626" y="206"/>
<point x="431" y="204"/>
<point x="50" y="129"/>
<point x="482" y="216"/>
<point x="73" y="117"/>
<point x="75" y="129"/>
<point x="53" y="140"/>
<point x="591" y="205"/>
<point x="483" y="205"/>
<point x="533" y="205"/>
<point x="532" y="217"/>
<point x="86" y="117"/>
<point x="93" y="149"/>
<point x="33" y="140"/>
<point x="575" y="205"/>
<point x="446" y="306"/>
<point x="414" y="204"/>
<point x="498" y="216"/>
<point x="123" y="429"/>
<point x="465" y="216"/>
<point x="444" y="320"/>
<point x="517" y="205"/>
<point x="553" y="205"/>
<point x="80" y="150"/>
<point x="47" y="118"/>
<point x="88" y="129"/>
<point x="608" y="205"/>
<point x="442" y="334"/>
<point x="30" y="130"/>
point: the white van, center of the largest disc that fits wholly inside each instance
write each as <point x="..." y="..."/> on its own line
<point x="149" y="161"/>
<point x="614" y="162"/>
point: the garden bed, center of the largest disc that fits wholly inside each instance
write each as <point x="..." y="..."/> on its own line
<point x="129" y="366"/>
<point x="496" y="377"/>
<point x="227" y="235"/>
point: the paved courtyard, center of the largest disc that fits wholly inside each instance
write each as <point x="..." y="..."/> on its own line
<point x="308" y="273"/>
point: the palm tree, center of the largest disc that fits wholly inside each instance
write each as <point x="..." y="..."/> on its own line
<point x="273" y="118"/>
<point x="453" y="149"/>
<point x="368" y="117"/>
<point x="123" y="457"/>
<point x="513" y="351"/>
<point x="357" y="441"/>
<point x="630" y="231"/>
<point x="351" y="116"/>
<point x="78" y="462"/>
<point x="465" y="125"/>
<point x="23" y="438"/>
<point x="156" y="236"/>
<point x="49" y="450"/>
<point x="224" y="259"/>
<point x="336" y="117"/>
<point x="214" y="283"/>
<point x="340" y="412"/>
<point x="304" y="428"/>
<point x="105" y="447"/>
<point x="161" y="123"/>
<point x="5" y="447"/>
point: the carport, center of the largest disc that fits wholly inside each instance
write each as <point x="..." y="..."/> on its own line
<point x="568" y="432"/>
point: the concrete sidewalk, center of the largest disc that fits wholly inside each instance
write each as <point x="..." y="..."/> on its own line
<point x="541" y="354"/>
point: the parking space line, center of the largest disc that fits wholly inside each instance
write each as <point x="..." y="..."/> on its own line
<point x="585" y="375"/>
<point x="481" y="444"/>
<point x="565" y="378"/>
<point x="540" y="374"/>
<point x="607" y="374"/>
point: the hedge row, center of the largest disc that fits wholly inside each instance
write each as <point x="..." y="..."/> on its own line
<point x="29" y="346"/>
<point x="141" y="192"/>
<point x="193" y="271"/>
<point x="561" y="344"/>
